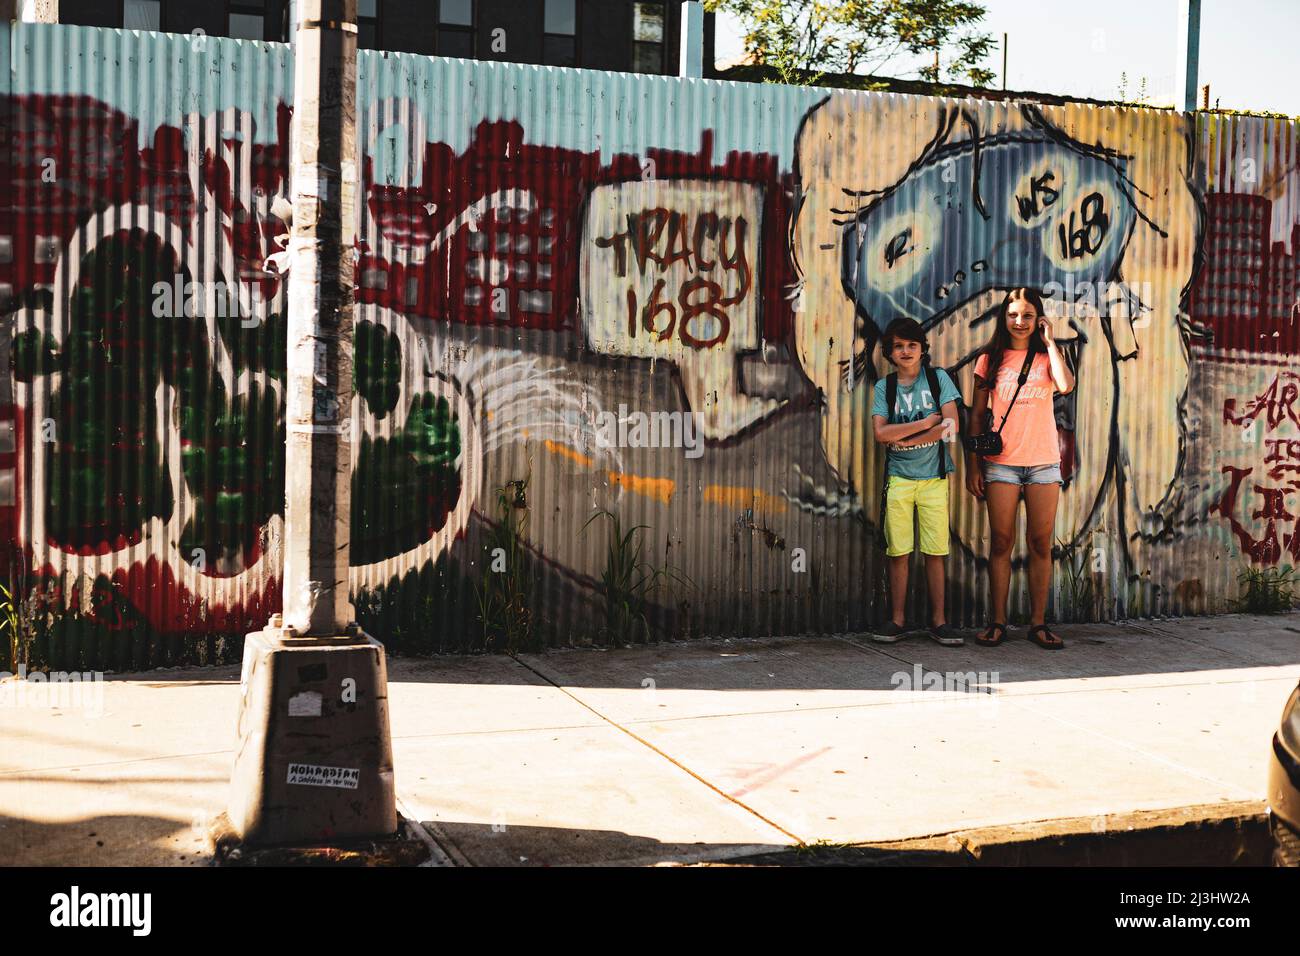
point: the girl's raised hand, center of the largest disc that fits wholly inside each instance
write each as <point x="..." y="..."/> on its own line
<point x="1045" y="331"/>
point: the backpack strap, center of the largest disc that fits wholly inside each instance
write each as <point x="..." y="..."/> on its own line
<point x="891" y="396"/>
<point x="932" y="379"/>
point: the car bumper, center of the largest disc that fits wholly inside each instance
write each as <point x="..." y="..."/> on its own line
<point x="1284" y="801"/>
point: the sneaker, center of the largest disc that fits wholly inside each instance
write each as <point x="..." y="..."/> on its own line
<point x="946" y="636"/>
<point x="888" y="633"/>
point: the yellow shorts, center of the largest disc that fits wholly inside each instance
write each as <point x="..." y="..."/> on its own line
<point x="928" y="498"/>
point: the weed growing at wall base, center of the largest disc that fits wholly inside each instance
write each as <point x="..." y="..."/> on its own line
<point x="1267" y="590"/>
<point x="1081" y="581"/>
<point x="505" y="597"/>
<point x="629" y="581"/>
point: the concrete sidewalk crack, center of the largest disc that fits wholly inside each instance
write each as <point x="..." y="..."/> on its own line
<point x="114" y="763"/>
<point x="672" y="760"/>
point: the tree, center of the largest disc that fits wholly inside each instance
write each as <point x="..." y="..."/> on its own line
<point x="798" y="37"/>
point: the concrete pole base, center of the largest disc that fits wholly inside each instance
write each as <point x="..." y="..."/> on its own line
<point x="315" y="757"/>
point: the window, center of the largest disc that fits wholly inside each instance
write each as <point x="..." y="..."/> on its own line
<point x="247" y="20"/>
<point x="458" y="13"/>
<point x="92" y="13"/>
<point x="241" y="19"/>
<point x="456" y="28"/>
<point x="408" y="26"/>
<point x="559" y="44"/>
<point x="142" y="15"/>
<point x="560" y="17"/>
<point x="648" y="37"/>
<point x="367" y="24"/>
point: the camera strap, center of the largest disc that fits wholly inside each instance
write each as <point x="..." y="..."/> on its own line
<point x="1024" y="376"/>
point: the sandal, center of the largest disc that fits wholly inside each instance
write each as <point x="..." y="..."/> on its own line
<point x="998" y="629"/>
<point x="1038" y="634"/>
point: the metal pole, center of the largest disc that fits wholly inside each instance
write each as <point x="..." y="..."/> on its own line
<point x="1189" y="52"/>
<point x="319" y="387"/>
<point x="37" y="11"/>
<point x="691" y="61"/>
<point x="314" y="760"/>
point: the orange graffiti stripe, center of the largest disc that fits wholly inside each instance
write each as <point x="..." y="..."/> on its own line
<point x="555" y="448"/>
<point x="660" y="489"/>
<point x="741" y="497"/>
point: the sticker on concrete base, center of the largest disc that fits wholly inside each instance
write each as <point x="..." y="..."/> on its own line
<point x="309" y="775"/>
<point x="306" y="704"/>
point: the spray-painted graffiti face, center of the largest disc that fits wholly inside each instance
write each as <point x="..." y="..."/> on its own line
<point x="985" y="215"/>
<point x="1103" y="221"/>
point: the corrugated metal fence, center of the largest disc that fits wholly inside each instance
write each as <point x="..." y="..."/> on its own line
<point x="615" y="347"/>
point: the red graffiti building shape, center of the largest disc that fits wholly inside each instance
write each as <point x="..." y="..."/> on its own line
<point x="528" y="248"/>
<point x="69" y="158"/>
<point x="1272" y="409"/>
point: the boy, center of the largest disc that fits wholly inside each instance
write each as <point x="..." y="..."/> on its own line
<point x="916" y="430"/>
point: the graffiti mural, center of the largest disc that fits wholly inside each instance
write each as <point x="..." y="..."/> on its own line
<point x="680" y="256"/>
<point x="996" y="196"/>
<point x="563" y="313"/>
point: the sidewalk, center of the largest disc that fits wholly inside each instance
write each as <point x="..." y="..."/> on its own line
<point x="703" y="750"/>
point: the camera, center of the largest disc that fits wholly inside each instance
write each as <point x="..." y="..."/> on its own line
<point x="988" y="443"/>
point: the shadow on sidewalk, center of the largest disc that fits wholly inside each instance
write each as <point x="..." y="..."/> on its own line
<point x="855" y="662"/>
<point x="851" y="662"/>
<point x="482" y="844"/>
<point x="124" y="840"/>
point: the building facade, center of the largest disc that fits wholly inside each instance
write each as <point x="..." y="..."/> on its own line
<point x="623" y="35"/>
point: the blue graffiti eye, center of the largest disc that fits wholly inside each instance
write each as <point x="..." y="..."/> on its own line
<point x="898" y="247"/>
<point x="1023" y="212"/>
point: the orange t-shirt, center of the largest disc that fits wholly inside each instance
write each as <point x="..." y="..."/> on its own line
<point x="1029" y="436"/>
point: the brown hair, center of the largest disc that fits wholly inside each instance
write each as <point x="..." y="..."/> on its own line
<point x="906" y="330"/>
<point x="1000" y="340"/>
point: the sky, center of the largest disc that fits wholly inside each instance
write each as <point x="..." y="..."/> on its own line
<point x="1249" y="49"/>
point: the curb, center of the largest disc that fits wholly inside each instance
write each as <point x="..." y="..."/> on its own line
<point x="1220" y="834"/>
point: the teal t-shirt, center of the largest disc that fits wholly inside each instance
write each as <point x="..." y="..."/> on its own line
<point x="914" y="402"/>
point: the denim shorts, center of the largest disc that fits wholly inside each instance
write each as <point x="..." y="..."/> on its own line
<point x="1022" y="474"/>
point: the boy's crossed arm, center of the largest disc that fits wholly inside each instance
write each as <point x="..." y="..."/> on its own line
<point x="932" y="428"/>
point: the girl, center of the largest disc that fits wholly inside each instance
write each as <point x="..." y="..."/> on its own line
<point x="1016" y="376"/>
